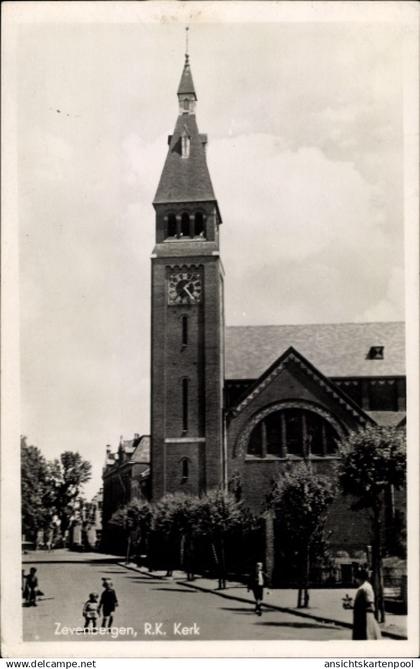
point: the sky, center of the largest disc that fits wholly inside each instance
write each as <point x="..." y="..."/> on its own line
<point x="305" y="154"/>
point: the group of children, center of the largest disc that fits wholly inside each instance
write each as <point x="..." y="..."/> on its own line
<point x="107" y="605"/>
<point x="92" y="609"/>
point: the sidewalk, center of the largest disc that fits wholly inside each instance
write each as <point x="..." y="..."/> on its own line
<point x="65" y="555"/>
<point x="325" y="604"/>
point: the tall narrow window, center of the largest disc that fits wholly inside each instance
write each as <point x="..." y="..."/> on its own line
<point x="255" y="442"/>
<point x="199" y="225"/>
<point x="185" y="225"/>
<point x="184" y="330"/>
<point x="185" y="146"/>
<point x="274" y="434"/>
<point x="184" y="405"/>
<point x="294" y="431"/>
<point x="184" y="470"/>
<point x="171" y="225"/>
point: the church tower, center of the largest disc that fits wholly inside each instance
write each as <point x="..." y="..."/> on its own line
<point x="187" y="444"/>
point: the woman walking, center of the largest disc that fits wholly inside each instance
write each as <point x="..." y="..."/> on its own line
<point x="365" y="625"/>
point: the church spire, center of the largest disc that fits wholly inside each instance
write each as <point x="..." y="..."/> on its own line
<point x="185" y="177"/>
<point x="186" y="92"/>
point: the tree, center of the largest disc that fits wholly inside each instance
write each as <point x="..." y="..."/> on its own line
<point x="67" y="475"/>
<point x="34" y="487"/>
<point x="175" y="522"/>
<point x="219" y="515"/>
<point x="373" y="459"/>
<point x="49" y="489"/>
<point x="135" y="519"/>
<point x="300" y="500"/>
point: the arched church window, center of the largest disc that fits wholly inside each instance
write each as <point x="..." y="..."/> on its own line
<point x="186" y="104"/>
<point x="330" y="439"/>
<point x="185" y="225"/>
<point x="184" y="470"/>
<point x="172" y="225"/>
<point x="199" y="225"/>
<point x="293" y="431"/>
<point x="273" y="429"/>
<point x="315" y="437"/>
<point x="255" y="441"/>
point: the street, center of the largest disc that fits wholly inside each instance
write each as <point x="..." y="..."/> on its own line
<point x="149" y="608"/>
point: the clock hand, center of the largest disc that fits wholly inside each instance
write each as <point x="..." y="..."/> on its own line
<point x="189" y="293"/>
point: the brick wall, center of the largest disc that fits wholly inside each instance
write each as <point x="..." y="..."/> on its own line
<point x="200" y="361"/>
<point x="349" y="529"/>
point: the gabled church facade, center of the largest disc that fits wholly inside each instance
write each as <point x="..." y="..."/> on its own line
<point x="244" y="403"/>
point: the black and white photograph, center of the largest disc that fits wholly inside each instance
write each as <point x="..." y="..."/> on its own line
<point x="210" y="385"/>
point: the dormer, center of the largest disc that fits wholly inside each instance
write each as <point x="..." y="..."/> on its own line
<point x="185" y="143"/>
<point x="376" y="353"/>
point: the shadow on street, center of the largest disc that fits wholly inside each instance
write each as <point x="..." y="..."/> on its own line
<point x="184" y="592"/>
<point x="249" y="610"/>
<point x="299" y="625"/>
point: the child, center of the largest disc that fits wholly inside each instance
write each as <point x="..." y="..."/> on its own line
<point x="90" y="610"/>
<point x="31" y="587"/>
<point x="108" y="603"/>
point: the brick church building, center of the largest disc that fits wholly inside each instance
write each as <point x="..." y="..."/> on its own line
<point x="245" y="402"/>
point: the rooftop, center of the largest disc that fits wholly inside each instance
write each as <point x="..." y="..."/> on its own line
<point x="335" y="349"/>
<point x="185" y="179"/>
<point x="135" y="450"/>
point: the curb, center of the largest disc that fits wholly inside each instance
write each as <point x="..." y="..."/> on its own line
<point x="275" y="607"/>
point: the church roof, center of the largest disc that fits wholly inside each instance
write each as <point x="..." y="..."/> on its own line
<point x="185" y="179"/>
<point x="336" y="349"/>
<point x="186" y="85"/>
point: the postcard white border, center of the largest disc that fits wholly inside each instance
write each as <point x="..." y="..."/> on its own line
<point x="15" y="14"/>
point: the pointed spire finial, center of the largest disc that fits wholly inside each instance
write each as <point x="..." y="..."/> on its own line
<point x="186" y="92"/>
<point x="187" y="56"/>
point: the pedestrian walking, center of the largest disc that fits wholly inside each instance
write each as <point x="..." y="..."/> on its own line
<point x="49" y="540"/>
<point x="365" y="625"/>
<point x="31" y="587"/>
<point x="256" y="582"/>
<point x="90" y="611"/>
<point x="107" y="603"/>
<point x="39" y="541"/>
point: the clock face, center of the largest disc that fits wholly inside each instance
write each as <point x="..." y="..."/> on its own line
<point x="184" y="288"/>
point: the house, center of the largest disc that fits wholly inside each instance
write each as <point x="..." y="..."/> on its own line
<point x="126" y="476"/>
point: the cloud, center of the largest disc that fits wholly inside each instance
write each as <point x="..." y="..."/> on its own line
<point x="299" y="231"/>
<point x="391" y="305"/>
